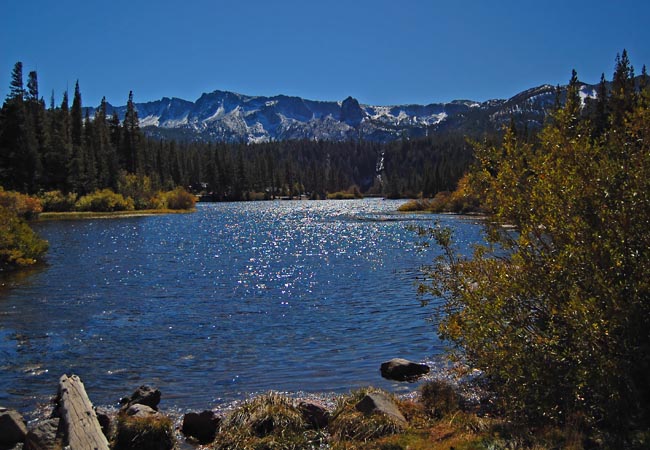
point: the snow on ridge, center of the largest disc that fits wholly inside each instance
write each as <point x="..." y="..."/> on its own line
<point x="219" y="113"/>
<point x="586" y="92"/>
<point x="150" y="121"/>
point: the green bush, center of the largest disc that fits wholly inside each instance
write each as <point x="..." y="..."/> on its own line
<point x="104" y="200"/>
<point x="56" y="201"/>
<point x="19" y="245"/>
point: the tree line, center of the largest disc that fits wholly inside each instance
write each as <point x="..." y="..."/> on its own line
<point x="61" y="148"/>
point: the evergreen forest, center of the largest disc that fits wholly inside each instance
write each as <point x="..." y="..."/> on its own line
<point x="61" y="148"/>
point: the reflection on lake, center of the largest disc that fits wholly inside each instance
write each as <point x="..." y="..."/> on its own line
<point x="234" y="299"/>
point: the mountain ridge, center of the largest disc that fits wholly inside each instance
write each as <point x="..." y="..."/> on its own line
<point x="224" y="116"/>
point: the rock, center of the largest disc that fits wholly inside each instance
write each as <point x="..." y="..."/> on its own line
<point x="45" y="436"/>
<point x="141" y="411"/>
<point x="201" y="426"/>
<point x="377" y="402"/>
<point x="104" y="419"/>
<point x="144" y="395"/>
<point x="12" y="427"/>
<point x="315" y="414"/>
<point x="399" y="369"/>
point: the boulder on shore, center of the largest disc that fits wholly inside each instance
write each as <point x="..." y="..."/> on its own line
<point x="399" y="369"/>
<point x="45" y="436"/>
<point x="201" y="426"/>
<point x="144" y="395"/>
<point x="377" y="402"/>
<point x="141" y="411"/>
<point x="316" y="415"/>
<point x="12" y="427"/>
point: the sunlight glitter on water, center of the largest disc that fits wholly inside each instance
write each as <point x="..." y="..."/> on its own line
<point x="292" y="296"/>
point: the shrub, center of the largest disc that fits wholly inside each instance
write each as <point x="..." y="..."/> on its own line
<point x="420" y="204"/>
<point x="56" y="201"/>
<point x="179" y="198"/>
<point x="23" y="205"/>
<point x="351" y="193"/>
<point x="463" y="199"/>
<point x="439" y="398"/>
<point x="137" y="187"/>
<point x="158" y="201"/>
<point x="104" y="200"/>
<point x="340" y="195"/>
<point x="556" y="315"/>
<point x="19" y="245"/>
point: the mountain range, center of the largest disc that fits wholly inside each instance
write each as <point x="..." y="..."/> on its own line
<point x="230" y="117"/>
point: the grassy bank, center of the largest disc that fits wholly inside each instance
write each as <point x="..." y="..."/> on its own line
<point x="76" y="215"/>
<point x="437" y="417"/>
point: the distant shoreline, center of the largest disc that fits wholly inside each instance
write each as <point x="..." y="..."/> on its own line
<point x="76" y="215"/>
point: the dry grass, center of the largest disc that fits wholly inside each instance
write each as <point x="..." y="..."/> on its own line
<point x="270" y="421"/>
<point x="144" y="433"/>
<point x="349" y="424"/>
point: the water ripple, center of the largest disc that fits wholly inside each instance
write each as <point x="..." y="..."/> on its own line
<point x="234" y="299"/>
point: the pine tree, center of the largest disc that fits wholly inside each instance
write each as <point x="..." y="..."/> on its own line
<point x="107" y="163"/>
<point x="16" y="87"/>
<point x="130" y="156"/>
<point x="19" y="161"/>
<point x="90" y="157"/>
<point x="36" y="109"/>
<point x="55" y="159"/>
<point x="599" y="109"/>
<point x="623" y="95"/>
<point x="76" y="163"/>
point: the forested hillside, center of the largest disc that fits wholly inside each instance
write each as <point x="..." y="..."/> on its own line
<point x="60" y="148"/>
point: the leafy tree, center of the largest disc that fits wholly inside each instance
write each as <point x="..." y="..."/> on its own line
<point x="555" y="308"/>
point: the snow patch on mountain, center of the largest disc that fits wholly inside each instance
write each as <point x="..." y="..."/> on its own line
<point x="586" y="92"/>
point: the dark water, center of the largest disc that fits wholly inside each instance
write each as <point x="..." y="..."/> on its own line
<point x="212" y="306"/>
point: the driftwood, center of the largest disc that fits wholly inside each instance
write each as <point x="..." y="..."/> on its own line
<point x="80" y="423"/>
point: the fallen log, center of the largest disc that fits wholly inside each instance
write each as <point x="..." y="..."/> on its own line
<point x="80" y="422"/>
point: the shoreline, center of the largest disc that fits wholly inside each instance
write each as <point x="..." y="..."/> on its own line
<point x="329" y="402"/>
<point x="78" y="215"/>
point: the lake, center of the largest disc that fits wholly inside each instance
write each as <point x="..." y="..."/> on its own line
<point x="235" y="299"/>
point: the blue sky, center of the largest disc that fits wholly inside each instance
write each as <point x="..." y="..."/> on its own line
<point x="380" y="52"/>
